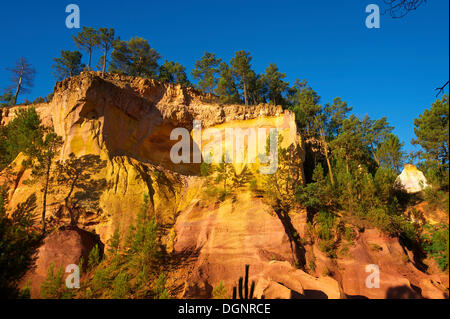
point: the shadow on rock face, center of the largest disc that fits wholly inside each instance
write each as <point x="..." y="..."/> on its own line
<point x="309" y="294"/>
<point x="402" y="292"/>
<point x="66" y="246"/>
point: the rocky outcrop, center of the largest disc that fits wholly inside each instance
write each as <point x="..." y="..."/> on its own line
<point x="399" y="274"/>
<point x="127" y="122"/>
<point x="411" y="179"/>
<point x="223" y="237"/>
<point x="60" y="249"/>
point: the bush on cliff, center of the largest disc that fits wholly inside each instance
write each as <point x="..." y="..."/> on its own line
<point x="18" y="243"/>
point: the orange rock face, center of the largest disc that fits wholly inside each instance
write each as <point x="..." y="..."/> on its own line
<point x="223" y="238"/>
<point x="60" y="249"/>
<point x="399" y="276"/>
<point x="127" y="122"/>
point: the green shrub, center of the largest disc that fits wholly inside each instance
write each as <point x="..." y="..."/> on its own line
<point x="94" y="257"/>
<point x="19" y="241"/>
<point x="326" y="272"/>
<point x="120" y="288"/>
<point x="220" y="292"/>
<point x="436" y="198"/>
<point x="160" y="288"/>
<point x="349" y="234"/>
<point x="328" y="247"/>
<point x="375" y="247"/>
<point x="54" y="286"/>
<point x="325" y="222"/>
<point x="435" y="241"/>
<point x="23" y="134"/>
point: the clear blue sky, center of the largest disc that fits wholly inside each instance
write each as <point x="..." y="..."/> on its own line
<point x="391" y="71"/>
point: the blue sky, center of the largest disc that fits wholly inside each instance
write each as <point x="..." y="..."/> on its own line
<point x="391" y="71"/>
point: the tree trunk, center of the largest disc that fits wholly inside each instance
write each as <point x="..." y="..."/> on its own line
<point x="67" y="203"/>
<point x="104" y="61"/>
<point x="325" y="146"/>
<point x="19" y="86"/>
<point x="245" y="94"/>
<point x="329" y="166"/>
<point x="89" y="63"/>
<point x="44" y="200"/>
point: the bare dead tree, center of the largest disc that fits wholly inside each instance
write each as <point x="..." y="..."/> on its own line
<point x="22" y="77"/>
<point x="400" y="8"/>
<point x="441" y="89"/>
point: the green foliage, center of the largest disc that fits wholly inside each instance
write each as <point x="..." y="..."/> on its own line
<point x="375" y="247"/>
<point x="6" y="99"/>
<point x="205" y="71"/>
<point x="206" y="169"/>
<point x="131" y="269"/>
<point x="432" y="132"/>
<point x="227" y="89"/>
<point x="68" y="65"/>
<point x="435" y="241"/>
<point x="87" y="40"/>
<point x="304" y="103"/>
<point x="53" y="287"/>
<point x="120" y="288"/>
<point x="224" y="172"/>
<point x="114" y="242"/>
<point x="134" y="57"/>
<point x="241" y="69"/>
<point x="317" y="194"/>
<point x="275" y="84"/>
<point x="94" y="257"/>
<point x="25" y="292"/>
<point x="436" y="198"/>
<point x="160" y="290"/>
<point x="106" y="41"/>
<point x="390" y="153"/>
<point x="173" y="72"/>
<point x="326" y="272"/>
<point x="349" y="234"/>
<point x="23" y="134"/>
<point x="325" y="222"/>
<point x="280" y="186"/>
<point x="18" y="244"/>
<point x="220" y="292"/>
<point x="312" y="265"/>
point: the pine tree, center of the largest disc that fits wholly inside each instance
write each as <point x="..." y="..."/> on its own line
<point x="106" y="41"/>
<point x="390" y="153"/>
<point x="134" y="57"/>
<point x="205" y="71"/>
<point x="226" y="86"/>
<point x="68" y="65"/>
<point x="275" y="84"/>
<point x="6" y="99"/>
<point x="173" y="72"/>
<point x="87" y="40"/>
<point x="241" y="67"/>
<point x="41" y="159"/>
<point x="431" y="129"/>
<point x="18" y="242"/>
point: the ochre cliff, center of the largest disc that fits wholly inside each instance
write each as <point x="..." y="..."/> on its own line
<point x="127" y="122"/>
